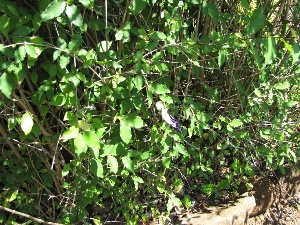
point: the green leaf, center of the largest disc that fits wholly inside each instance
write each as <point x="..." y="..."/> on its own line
<point x="117" y="65"/>
<point x="138" y="82"/>
<point x="119" y="35"/>
<point x="87" y="3"/>
<point x="213" y="12"/>
<point x="26" y="123"/>
<point x="31" y="50"/>
<point x="180" y="148"/>
<point x="236" y="123"/>
<point x="127" y="163"/>
<point x="137" y="180"/>
<point x="236" y="165"/>
<point x="113" y="163"/>
<point x="91" y="139"/>
<point x="75" y="42"/>
<point x="97" y="167"/>
<point x="104" y="46"/>
<point x="166" y="162"/>
<point x="134" y="121"/>
<point x="208" y="188"/>
<point x="64" y="61"/>
<point x="137" y="6"/>
<point x="271" y="51"/>
<point x="5" y="25"/>
<point x="221" y="57"/>
<point x="160" y="89"/>
<point x="257" y="21"/>
<point x="54" y="9"/>
<point x="11" y="123"/>
<point x="296" y="52"/>
<point x="282" y="86"/>
<point x="58" y="99"/>
<point x="125" y="132"/>
<point x="11" y="197"/>
<point x="20" y="53"/>
<point x="80" y="145"/>
<point x="6" y="84"/>
<point x="74" y="15"/>
<point x="172" y="202"/>
<point x="70" y="133"/>
<point x="245" y="4"/>
<point x="66" y="170"/>
<point x="157" y="36"/>
<point x="290" y="103"/>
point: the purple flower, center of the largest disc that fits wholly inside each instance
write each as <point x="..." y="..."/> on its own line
<point x="168" y="118"/>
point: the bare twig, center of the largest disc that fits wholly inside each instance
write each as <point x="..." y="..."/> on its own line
<point x="27" y="216"/>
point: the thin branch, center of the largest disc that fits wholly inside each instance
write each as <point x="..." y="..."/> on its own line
<point x="27" y="216"/>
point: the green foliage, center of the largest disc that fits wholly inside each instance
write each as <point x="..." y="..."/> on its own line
<point x="78" y="86"/>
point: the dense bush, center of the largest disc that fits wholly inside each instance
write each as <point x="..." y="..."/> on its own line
<point x="81" y="138"/>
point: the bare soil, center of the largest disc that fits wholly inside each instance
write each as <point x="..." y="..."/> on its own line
<point x="282" y="212"/>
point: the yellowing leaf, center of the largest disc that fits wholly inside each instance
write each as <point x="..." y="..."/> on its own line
<point x="83" y="125"/>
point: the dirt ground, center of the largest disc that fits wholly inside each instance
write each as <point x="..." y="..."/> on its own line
<point x="282" y="212"/>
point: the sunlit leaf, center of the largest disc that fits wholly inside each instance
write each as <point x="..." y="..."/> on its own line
<point x="137" y="6"/>
<point x="282" y="86"/>
<point x="11" y="197"/>
<point x="125" y="132"/>
<point x="74" y="15"/>
<point x="158" y="36"/>
<point x="134" y="121"/>
<point x="160" y="89"/>
<point x="97" y="167"/>
<point x="113" y="163"/>
<point x="80" y="145"/>
<point x="75" y="42"/>
<point x="137" y="180"/>
<point x="31" y="50"/>
<point x="91" y="139"/>
<point x="6" y="84"/>
<point x="180" y="148"/>
<point x="54" y="9"/>
<point x="138" y="82"/>
<point x="64" y="61"/>
<point x="290" y="103"/>
<point x="58" y="99"/>
<point x="127" y="163"/>
<point x="66" y="170"/>
<point x="87" y="3"/>
<point x="20" y="53"/>
<point x="208" y="188"/>
<point x="70" y="133"/>
<point x="236" y="123"/>
<point x="26" y="123"/>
